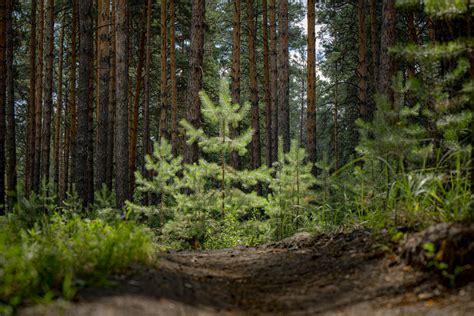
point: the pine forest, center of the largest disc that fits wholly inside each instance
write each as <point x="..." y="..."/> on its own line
<point x="236" y="157"/>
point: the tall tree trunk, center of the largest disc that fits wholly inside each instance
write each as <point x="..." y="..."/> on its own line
<point x="122" y="178"/>
<point x="362" y="66"/>
<point x="112" y="105"/>
<point x="10" y="109"/>
<point x="163" y="81"/>
<point x="48" y="92"/>
<point x="374" y="38"/>
<point x="59" y="103"/>
<point x="3" y="86"/>
<point x="30" y="121"/>
<point x="72" y="103"/>
<point x="283" y="76"/>
<point x="195" y="73"/>
<point x="39" y="99"/>
<point x="90" y="112"/>
<point x="66" y="145"/>
<point x="311" y="117"/>
<point x="273" y="78"/>
<point x="135" y="110"/>
<point x="103" y="56"/>
<point x="235" y="73"/>
<point x="81" y="156"/>
<point x="174" y="87"/>
<point x="146" y="104"/>
<point x="256" y="155"/>
<point x="387" y="40"/>
<point x="266" y="84"/>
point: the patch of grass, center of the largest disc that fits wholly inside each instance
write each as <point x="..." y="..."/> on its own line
<point x="59" y="256"/>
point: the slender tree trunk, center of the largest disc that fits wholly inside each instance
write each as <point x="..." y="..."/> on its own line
<point x="10" y="109"/>
<point x="146" y="104"/>
<point x="3" y="86"/>
<point x="81" y="156"/>
<point x="311" y="110"/>
<point x="266" y="84"/>
<point x="235" y="73"/>
<point x="283" y="76"/>
<point x="48" y="93"/>
<point x="387" y="40"/>
<point x="30" y="121"/>
<point x="273" y="79"/>
<point x="195" y="73"/>
<point x="135" y="110"/>
<point x="59" y="103"/>
<point x="90" y="112"/>
<point x="362" y="66"/>
<point x="174" y="87"/>
<point x="103" y="56"/>
<point x="112" y="105"/>
<point x="163" y="81"/>
<point x="122" y="178"/>
<point x="72" y="96"/>
<point x="66" y="145"/>
<point x="39" y="99"/>
<point x="302" y="110"/>
<point x="256" y="155"/>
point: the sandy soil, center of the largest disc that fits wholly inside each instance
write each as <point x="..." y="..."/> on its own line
<point x="343" y="274"/>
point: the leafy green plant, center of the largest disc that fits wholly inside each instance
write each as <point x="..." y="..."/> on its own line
<point x="57" y="257"/>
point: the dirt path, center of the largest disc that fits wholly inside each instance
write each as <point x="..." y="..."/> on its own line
<point x="345" y="274"/>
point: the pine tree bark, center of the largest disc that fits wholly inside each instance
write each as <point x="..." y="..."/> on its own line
<point x="266" y="88"/>
<point x="146" y="105"/>
<point x="30" y="121"/>
<point x="163" y="81"/>
<point x="273" y="78"/>
<point x="59" y="103"/>
<point x="81" y="155"/>
<point x="283" y="76"/>
<point x="39" y="98"/>
<point x="121" y="89"/>
<point x="10" y="109"/>
<point x="235" y="72"/>
<point x="374" y="45"/>
<point x="48" y="92"/>
<point x="195" y="73"/>
<point x="362" y="65"/>
<point x="174" y="86"/>
<point x="256" y="155"/>
<point x="103" y="51"/>
<point x="387" y="40"/>
<point x="112" y="105"/>
<point x="65" y="149"/>
<point x="135" y="110"/>
<point x="3" y="86"/>
<point x="311" y="94"/>
<point x="72" y="102"/>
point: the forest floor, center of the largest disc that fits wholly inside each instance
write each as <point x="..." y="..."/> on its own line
<point x="339" y="274"/>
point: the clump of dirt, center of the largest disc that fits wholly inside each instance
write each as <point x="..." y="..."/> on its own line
<point x="453" y="244"/>
<point x="338" y="274"/>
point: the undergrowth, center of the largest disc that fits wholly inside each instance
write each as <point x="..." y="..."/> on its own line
<point x="57" y="256"/>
